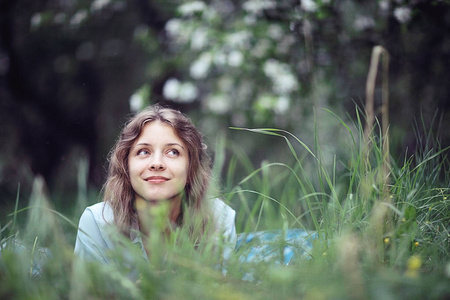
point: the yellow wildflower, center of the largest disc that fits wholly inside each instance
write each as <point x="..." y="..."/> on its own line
<point x="413" y="265"/>
<point x="386" y="240"/>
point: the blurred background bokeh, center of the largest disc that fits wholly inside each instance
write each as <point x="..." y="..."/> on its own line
<point x="71" y="71"/>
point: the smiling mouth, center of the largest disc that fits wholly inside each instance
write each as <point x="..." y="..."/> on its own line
<point x="156" y="179"/>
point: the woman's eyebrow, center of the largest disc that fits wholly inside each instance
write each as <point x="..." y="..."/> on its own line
<point x="175" y="144"/>
<point x="142" y="144"/>
<point x="168" y="144"/>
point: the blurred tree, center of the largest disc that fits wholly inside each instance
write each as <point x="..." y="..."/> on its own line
<point x="67" y="69"/>
<point x="269" y="63"/>
<point x="71" y="70"/>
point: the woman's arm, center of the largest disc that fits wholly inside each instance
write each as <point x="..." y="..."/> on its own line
<point x="90" y="243"/>
<point x="224" y="216"/>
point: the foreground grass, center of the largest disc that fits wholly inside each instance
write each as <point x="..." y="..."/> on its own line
<point x="382" y="233"/>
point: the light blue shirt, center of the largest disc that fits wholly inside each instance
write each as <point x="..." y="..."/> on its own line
<point x="96" y="231"/>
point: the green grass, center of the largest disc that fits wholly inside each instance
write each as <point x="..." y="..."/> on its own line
<point x="383" y="231"/>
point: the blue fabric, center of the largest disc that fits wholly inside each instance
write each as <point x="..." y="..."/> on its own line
<point x="262" y="246"/>
<point x="39" y="255"/>
<point x="274" y="246"/>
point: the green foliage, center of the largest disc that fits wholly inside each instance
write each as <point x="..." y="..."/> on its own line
<point x="74" y="69"/>
<point x="376" y="237"/>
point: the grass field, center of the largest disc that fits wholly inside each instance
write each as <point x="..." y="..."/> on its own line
<point x="382" y="232"/>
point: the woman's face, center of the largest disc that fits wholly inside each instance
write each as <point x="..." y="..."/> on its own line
<point x="158" y="164"/>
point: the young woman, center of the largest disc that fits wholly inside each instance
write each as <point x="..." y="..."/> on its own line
<point x="159" y="164"/>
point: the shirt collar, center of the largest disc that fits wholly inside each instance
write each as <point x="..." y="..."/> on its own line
<point x="136" y="239"/>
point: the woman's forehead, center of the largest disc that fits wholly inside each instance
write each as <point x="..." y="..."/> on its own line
<point x="159" y="132"/>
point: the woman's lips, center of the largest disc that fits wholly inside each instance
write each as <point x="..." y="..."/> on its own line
<point x="156" y="179"/>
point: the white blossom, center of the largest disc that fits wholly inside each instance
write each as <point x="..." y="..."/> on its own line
<point x="239" y="39"/>
<point x="78" y="17"/>
<point x="99" y="4"/>
<point x="199" y="39"/>
<point x="266" y="101"/>
<point x="250" y="20"/>
<point x="136" y="102"/>
<point x="309" y="5"/>
<point x="220" y="58"/>
<point x="173" y="27"/>
<point x="363" y="22"/>
<point x="403" y="14"/>
<point x="275" y="31"/>
<point x="282" y="105"/>
<point x="187" y="92"/>
<point x="261" y="48"/>
<point x="270" y="67"/>
<point x="178" y="30"/>
<point x="36" y="20"/>
<point x="200" y="68"/>
<point x="180" y="91"/>
<point x="210" y="15"/>
<point x="384" y="5"/>
<point x="235" y="58"/>
<point x="279" y="105"/>
<point x="284" y="82"/>
<point x="219" y="103"/>
<point x="171" y="88"/>
<point x="257" y="6"/>
<point x="191" y="8"/>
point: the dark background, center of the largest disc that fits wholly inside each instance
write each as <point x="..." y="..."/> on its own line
<point x="65" y="84"/>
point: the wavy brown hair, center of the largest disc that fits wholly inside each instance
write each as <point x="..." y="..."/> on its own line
<point x="118" y="191"/>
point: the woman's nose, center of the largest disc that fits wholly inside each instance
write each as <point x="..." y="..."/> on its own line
<point x="156" y="164"/>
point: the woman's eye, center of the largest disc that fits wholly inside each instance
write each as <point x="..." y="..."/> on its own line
<point x="173" y="152"/>
<point x="143" y="152"/>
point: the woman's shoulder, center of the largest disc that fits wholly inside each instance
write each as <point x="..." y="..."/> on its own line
<point x="219" y="204"/>
<point x="220" y="209"/>
<point x="101" y="212"/>
<point x="224" y="218"/>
